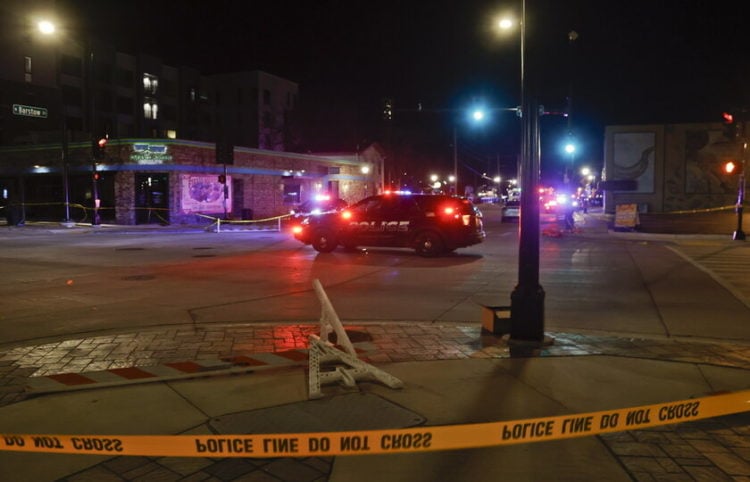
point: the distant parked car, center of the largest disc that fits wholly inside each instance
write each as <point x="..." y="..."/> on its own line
<point x="511" y="211"/>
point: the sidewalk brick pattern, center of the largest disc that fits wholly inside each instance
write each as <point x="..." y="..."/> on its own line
<point x="715" y="450"/>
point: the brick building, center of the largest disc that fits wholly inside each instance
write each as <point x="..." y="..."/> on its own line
<point x="171" y="131"/>
<point x="142" y="181"/>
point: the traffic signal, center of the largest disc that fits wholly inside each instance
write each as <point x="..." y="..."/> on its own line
<point x="729" y="167"/>
<point x="222" y="179"/>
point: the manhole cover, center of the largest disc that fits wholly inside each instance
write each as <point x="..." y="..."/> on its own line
<point x="349" y="412"/>
<point x="139" y="277"/>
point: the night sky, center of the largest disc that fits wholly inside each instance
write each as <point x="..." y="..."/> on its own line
<point x="634" y="62"/>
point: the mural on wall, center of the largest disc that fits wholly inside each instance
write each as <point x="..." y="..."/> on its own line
<point x="705" y="153"/>
<point x="634" y="159"/>
<point x="205" y="194"/>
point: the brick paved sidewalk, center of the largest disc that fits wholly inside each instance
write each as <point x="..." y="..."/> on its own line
<point x="378" y="343"/>
<point x="716" y="449"/>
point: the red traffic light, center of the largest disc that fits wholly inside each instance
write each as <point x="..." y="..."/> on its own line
<point x="102" y="142"/>
<point x="728" y="118"/>
<point x="729" y="167"/>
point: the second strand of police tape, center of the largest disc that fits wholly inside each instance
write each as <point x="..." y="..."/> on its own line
<point x="422" y="439"/>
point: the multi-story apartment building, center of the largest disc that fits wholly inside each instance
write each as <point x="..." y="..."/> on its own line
<point x="60" y="94"/>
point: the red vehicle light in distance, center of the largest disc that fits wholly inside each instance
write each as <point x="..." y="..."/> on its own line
<point x="296" y="229"/>
<point x="346" y="214"/>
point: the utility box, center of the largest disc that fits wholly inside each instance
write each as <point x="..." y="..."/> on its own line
<point x="496" y="319"/>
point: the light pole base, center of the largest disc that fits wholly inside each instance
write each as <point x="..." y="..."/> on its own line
<point x="527" y="314"/>
<point x="739" y="235"/>
<point x="68" y="224"/>
<point x="528" y="348"/>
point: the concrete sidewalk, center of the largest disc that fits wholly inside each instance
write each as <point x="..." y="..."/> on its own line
<point x="466" y="376"/>
<point x="454" y="373"/>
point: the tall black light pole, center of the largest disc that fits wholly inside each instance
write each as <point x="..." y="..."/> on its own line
<point x="527" y="298"/>
<point x="48" y="28"/>
<point x="97" y="143"/>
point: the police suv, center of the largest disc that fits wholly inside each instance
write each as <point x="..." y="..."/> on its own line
<point x="430" y="224"/>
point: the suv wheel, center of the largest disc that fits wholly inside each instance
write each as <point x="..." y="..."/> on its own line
<point x="428" y="244"/>
<point x="324" y="241"/>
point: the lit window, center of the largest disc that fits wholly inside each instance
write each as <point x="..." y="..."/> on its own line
<point x="150" y="84"/>
<point x="150" y="110"/>
<point x="171" y="134"/>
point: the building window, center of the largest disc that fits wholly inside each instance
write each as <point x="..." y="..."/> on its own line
<point x="124" y="78"/>
<point x="193" y="94"/>
<point x="291" y="193"/>
<point x="27" y="69"/>
<point x="169" y="112"/>
<point x="150" y="84"/>
<point x="125" y="105"/>
<point x="71" y="65"/>
<point x="150" y="110"/>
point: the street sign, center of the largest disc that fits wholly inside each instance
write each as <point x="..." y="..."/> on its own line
<point x="29" y="111"/>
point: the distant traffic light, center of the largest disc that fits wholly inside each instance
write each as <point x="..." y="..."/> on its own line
<point x="222" y="179"/>
<point x="729" y="167"/>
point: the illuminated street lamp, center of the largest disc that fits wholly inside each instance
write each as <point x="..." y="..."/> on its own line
<point x="527" y="298"/>
<point x="46" y="27"/>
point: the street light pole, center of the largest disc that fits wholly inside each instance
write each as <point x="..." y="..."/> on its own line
<point x="455" y="161"/>
<point x="48" y="28"/>
<point x="527" y="298"/>
<point x="739" y="234"/>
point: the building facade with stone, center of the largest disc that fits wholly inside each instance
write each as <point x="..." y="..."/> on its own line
<point x="670" y="167"/>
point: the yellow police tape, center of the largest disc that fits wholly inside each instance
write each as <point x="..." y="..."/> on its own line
<point x="419" y="439"/>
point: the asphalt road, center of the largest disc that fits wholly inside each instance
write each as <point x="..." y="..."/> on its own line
<point x="61" y="282"/>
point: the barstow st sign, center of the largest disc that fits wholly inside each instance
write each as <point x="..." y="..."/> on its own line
<point x="29" y="111"/>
